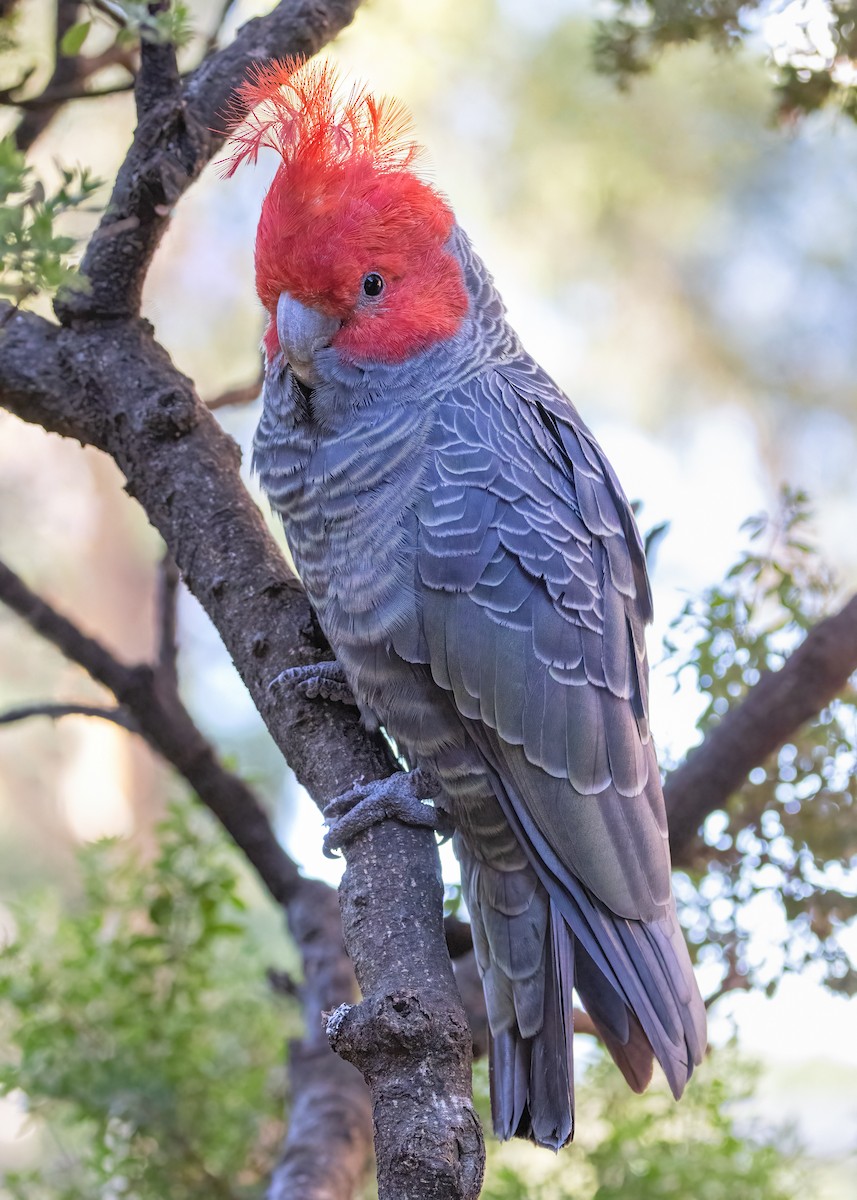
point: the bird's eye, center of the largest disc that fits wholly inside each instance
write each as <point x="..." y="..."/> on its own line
<point x="373" y="284"/>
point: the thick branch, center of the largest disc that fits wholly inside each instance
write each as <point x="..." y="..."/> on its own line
<point x="157" y="83"/>
<point x="115" y="388"/>
<point x="773" y="710"/>
<point x="103" y="380"/>
<point x="183" y="469"/>
<point x="173" y="141"/>
<point x="168" y="587"/>
<point x="330" y="1129"/>
<point x="410" y="1036"/>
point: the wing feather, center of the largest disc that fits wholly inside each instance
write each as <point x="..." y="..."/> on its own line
<point x="534" y="601"/>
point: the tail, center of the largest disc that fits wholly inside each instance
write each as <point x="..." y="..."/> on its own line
<point x="525" y="954"/>
<point x="532" y="1078"/>
<point x="537" y="937"/>
<point x="634" y="977"/>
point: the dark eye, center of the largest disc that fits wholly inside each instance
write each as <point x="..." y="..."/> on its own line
<point x="373" y="284"/>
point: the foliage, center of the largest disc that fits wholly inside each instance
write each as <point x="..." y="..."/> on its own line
<point x="140" y="1029"/>
<point x="34" y="256"/>
<point x="815" y="58"/>
<point x="648" y="1148"/>
<point x="170" y="24"/>
<point x="136" y="22"/>
<point x="786" y="849"/>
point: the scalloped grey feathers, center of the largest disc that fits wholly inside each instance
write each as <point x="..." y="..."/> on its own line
<point x="477" y="569"/>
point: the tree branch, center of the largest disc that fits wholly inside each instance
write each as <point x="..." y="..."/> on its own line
<point x="60" y="96"/>
<point x="173" y="141"/>
<point x="118" y="716"/>
<point x="153" y="703"/>
<point x="768" y="715"/>
<point x="157" y="84"/>
<point x="330" y="1132"/>
<point x="168" y="587"/>
<point x="220" y="21"/>
<point x="237" y="396"/>
<point x="115" y="388"/>
<point x="329" y="1139"/>
<point x="54" y="95"/>
<point x="103" y="380"/>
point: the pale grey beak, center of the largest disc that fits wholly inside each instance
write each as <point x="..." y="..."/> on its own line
<point x="302" y="332"/>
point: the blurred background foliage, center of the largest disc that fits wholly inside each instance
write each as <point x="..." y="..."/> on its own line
<point x="655" y="1150"/>
<point x="782" y="854"/>
<point x="137" y="1028"/>
<point x="686" y="268"/>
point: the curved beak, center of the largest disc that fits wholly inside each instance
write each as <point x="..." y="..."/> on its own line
<point x="302" y="332"/>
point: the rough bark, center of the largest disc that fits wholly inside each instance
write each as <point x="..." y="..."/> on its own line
<point x="183" y="470"/>
<point x="410" y="1035"/>
<point x="175" y="138"/>
<point x="152" y="700"/>
<point x="102" y="379"/>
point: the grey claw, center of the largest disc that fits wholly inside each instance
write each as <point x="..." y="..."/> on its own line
<point x="325" y="681"/>
<point x="367" y="804"/>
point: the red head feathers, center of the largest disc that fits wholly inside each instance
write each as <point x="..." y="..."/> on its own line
<point x="345" y="204"/>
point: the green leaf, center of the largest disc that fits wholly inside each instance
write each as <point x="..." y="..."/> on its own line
<point x="73" y="39"/>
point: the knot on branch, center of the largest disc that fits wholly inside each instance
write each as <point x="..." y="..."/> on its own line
<point x="174" y="414"/>
<point x="395" y="1025"/>
<point x="408" y="1046"/>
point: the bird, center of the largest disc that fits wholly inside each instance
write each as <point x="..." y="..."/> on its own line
<point x="476" y="568"/>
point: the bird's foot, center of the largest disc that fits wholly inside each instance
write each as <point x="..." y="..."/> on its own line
<point x="317" y="681"/>
<point x="398" y="798"/>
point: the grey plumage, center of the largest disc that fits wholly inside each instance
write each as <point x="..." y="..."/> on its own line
<point x="476" y="567"/>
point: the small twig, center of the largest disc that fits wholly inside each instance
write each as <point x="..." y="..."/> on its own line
<point x="7" y="94"/>
<point x="55" y="711"/>
<point x="245" y="394"/>
<point x="52" y="99"/>
<point x="116" y="55"/>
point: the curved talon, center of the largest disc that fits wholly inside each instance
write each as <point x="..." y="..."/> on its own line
<point x="367" y="804"/>
<point x="325" y="681"/>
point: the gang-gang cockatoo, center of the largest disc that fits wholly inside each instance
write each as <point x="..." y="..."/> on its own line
<point x="475" y="566"/>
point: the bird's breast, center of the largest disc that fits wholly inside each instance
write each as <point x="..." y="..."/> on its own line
<point x="347" y="498"/>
